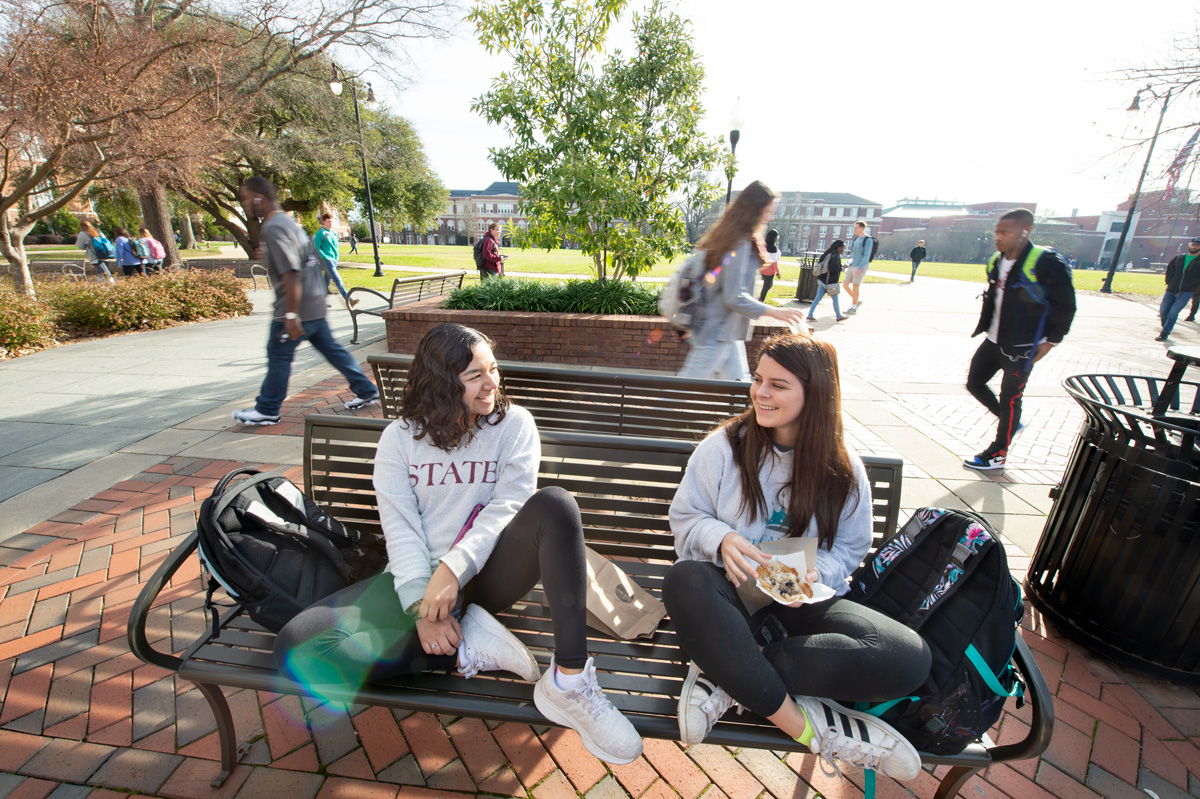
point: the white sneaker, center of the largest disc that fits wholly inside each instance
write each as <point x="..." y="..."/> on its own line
<point x="252" y="416"/>
<point x="853" y="309"/>
<point x="606" y="733"/>
<point x="700" y="707"/>
<point x="857" y="738"/>
<point x="362" y="402"/>
<point x="489" y="646"/>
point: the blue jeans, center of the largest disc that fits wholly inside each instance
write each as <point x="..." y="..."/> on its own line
<point x="721" y="360"/>
<point x="1172" y="305"/>
<point x="279" y="364"/>
<point x="331" y="273"/>
<point x="822" y="289"/>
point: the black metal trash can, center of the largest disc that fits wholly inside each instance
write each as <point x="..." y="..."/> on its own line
<point x="806" y="284"/>
<point x="1117" y="567"/>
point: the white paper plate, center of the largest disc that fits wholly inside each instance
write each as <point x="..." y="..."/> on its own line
<point x="797" y="561"/>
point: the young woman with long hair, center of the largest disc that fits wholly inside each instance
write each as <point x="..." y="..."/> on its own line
<point x="781" y="469"/>
<point x="827" y="282"/>
<point x="87" y="240"/>
<point x="468" y="534"/>
<point x="770" y="267"/>
<point x="734" y="251"/>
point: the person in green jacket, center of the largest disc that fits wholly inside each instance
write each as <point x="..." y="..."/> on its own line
<point x="326" y="242"/>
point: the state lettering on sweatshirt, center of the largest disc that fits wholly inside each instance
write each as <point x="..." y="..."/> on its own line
<point x="453" y="473"/>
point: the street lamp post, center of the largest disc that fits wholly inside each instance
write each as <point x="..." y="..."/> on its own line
<point x="335" y="86"/>
<point x="1137" y="193"/>
<point x="735" y="133"/>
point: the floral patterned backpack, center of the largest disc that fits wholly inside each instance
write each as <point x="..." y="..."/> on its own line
<point x="945" y="575"/>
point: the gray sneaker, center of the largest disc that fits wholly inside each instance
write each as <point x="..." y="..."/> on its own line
<point x="489" y="646"/>
<point x="702" y="703"/>
<point x="857" y="738"/>
<point x="606" y="733"/>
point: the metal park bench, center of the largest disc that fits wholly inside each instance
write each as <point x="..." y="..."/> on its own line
<point x="405" y="291"/>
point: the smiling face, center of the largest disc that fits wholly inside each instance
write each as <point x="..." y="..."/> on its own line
<point x="778" y="399"/>
<point x="480" y="380"/>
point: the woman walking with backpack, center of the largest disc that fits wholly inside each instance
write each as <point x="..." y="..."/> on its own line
<point x="733" y="252"/>
<point x="96" y="249"/>
<point x="771" y="267"/>
<point x="127" y="257"/>
<point x="782" y="470"/>
<point x="827" y="280"/>
<point x="468" y="534"/>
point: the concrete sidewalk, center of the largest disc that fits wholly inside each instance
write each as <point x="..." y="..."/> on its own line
<point x="81" y="717"/>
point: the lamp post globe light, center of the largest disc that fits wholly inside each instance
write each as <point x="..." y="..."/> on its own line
<point x="1136" y="105"/>
<point x="736" y="120"/>
<point x="335" y="86"/>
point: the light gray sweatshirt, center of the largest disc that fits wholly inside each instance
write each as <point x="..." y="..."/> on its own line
<point x="707" y="507"/>
<point x="427" y="494"/>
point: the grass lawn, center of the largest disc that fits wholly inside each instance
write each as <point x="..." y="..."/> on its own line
<point x="1086" y="279"/>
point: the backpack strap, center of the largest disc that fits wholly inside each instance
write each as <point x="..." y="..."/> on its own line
<point x="990" y="679"/>
<point x="960" y="559"/>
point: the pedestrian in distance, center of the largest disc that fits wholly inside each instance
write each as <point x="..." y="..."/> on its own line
<point x="154" y="248"/>
<point x="488" y="259"/>
<point x="1183" y="280"/>
<point x="782" y="470"/>
<point x="770" y="267"/>
<point x="353" y="244"/>
<point x="916" y="255"/>
<point x="128" y="259"/>
<point x="300" y="292"/>
<point x="1027" y="310"/>
<point x="326" y="243"/>
<point x="733" y="252"/>
<point x="829" y="269"/>
<point x="97" y="250"/>
<point x="468" y="534"/>
<point x="860" y="262"/>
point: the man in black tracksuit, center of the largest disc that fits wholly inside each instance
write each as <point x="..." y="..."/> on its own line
<point x="916" y="255"/>
<point x="1027" y="309"/>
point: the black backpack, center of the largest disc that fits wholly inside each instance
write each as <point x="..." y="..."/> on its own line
<point x="945" y="575"/>
<point x="479" y="262"/>
<point x="275" y="550"/>
<point x="873" y="243"/>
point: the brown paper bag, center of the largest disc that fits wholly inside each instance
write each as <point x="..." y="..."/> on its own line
<point x="617" y="605"/>
<point x="748" y="591"/>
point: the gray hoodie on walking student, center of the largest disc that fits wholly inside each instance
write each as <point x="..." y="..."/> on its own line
<point x="426" y="495"/>
<point x="707" y="507"/>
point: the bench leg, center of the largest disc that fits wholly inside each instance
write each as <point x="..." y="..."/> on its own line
<point x="354" y="319"/>
<point x="954" y="781"/>
<point x="230" y="752"/>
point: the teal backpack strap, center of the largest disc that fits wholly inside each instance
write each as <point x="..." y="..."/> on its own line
<point x="883" y="707"/>
<point x="985" y="672"/>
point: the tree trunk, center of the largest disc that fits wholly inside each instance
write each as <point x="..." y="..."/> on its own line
<point x="12" y="247"/>
<point x="186" y="236"/>
<point x="158" y="220"/>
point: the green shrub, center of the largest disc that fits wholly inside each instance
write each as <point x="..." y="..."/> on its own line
<point x="25" y="324"/>
<point x="577" y="296"/>
<point x="139" y="304"/>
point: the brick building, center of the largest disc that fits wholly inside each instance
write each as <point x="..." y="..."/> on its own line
<point x="1160" y="230"/>
<point x="811" y="220"/>
<point x="468" y="214"/>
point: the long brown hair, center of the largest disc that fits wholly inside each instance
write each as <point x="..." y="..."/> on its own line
<point x="742" y="220"/>
<point x="822" y="478"/>
<point x="432" y="401"/>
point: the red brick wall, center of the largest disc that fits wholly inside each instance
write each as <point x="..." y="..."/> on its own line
<point x="627" y="342"/>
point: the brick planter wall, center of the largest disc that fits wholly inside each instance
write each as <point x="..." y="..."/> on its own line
<point x="626" y="342"/>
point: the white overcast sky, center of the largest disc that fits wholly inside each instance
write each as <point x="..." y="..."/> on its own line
<point x="1011" y="101"/>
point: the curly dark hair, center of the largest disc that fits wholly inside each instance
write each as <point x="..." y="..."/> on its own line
<point x="432" y="401"/>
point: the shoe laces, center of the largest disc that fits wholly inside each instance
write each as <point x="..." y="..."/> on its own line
<point x="832" y="746"/>
<point x="717" y="702"/>
<point x="590" y="696"/>
<point x="477" y="662"/>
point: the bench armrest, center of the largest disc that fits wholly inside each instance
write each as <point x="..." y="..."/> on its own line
<point x="1040" y="730"/>
<point x="136" y="630"/>
<point x="366" y="290"/>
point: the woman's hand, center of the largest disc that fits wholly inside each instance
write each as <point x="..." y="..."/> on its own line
<point x="812" y="577"/>
<point x="439" y="637"/>
<point x="741" y="558"/>
<point x="791" y="316"/>
<point x="440" y="595"/>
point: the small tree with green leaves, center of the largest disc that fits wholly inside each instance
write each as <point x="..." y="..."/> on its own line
<point x="602" y="150"/>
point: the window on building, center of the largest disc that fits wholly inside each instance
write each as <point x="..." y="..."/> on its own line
<point x="822" y="231"/>
<point x="1117" y="227"/>
<point x="821" y="245"/>
<point x="806" y="230"/>
<point x="827" y="211"/>
<point x="812" y="211"/>
<point x="837" y="231"/>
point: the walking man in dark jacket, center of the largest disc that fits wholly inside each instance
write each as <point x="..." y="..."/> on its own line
<point x="1183" y="279"/>
<point x="916" y="255"/>
<point x="1027" y="309"/>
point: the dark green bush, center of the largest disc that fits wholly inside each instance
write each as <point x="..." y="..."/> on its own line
<point x="25" y="324"/>
<point x="577" y="296"/>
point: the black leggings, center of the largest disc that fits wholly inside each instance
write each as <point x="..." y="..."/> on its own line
<point x="361" y="633"/>
<point x="768" y="281"/>
<point x="837" y="649"/>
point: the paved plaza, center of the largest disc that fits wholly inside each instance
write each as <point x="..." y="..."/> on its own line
<point x="108" y="447"/>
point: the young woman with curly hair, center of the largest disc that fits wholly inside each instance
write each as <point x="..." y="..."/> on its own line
<point x="733" y="252"/>
<point x="779" y="470"/>
<point x="468" y="534"/>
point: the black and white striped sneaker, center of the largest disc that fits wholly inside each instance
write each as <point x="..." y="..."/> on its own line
<point x="857" y="738"/>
